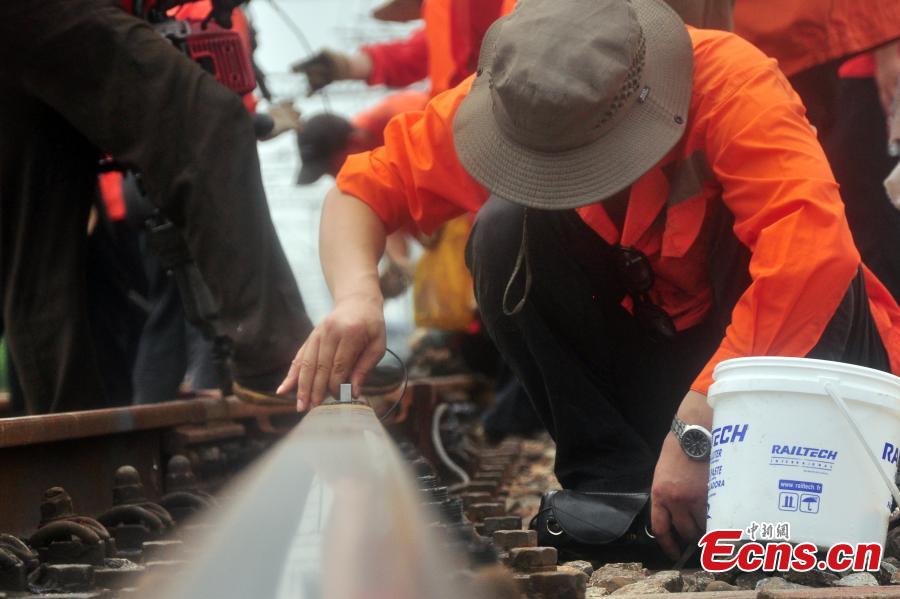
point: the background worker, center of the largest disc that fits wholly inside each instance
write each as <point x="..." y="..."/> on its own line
<point x="325" y="141"/>
<point x="445" y="50"/>
<point x="652" y="203"/>
<point x="85" y="76"/>
<point x="846" y="100"/>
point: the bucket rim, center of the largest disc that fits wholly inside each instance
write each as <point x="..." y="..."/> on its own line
<point x="790" y="362"/>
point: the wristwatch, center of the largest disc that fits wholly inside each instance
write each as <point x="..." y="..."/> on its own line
<point x="695" y="440"/>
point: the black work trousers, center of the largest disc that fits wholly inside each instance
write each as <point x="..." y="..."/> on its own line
<point x="82" y="76"/>
<point x="604" y="390"/>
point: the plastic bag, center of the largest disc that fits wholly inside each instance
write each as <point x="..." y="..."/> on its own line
<point x="443" y="296"/>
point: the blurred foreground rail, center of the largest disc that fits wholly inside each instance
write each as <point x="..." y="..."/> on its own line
<point x="81" y="451"/>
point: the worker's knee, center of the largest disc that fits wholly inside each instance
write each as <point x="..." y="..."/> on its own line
<point x="496" y="236"/>
<point x="493" y="247"/>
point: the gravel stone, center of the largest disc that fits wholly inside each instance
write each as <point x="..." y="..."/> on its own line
<point x="813" y="578"/>
<point x="667" y="581"/>
<point x="612" y="577"/>
<point x="582" y="565"/>
<point x="857" y="579"/>
<point x="730" y="576"/>
<point x="886" y="574"/>
<point x="747" y="582"/>
<point x="777" y="583"/>
<point x="720" y="586"/>
<point x="892" y="544"/>
<point x="696" y="581"/>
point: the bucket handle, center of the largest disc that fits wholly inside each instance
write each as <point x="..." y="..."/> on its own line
<point x="842" y="406"/>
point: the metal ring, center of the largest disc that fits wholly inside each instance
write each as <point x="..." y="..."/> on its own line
<point x="558" y="531"/>
<point x="648" y="533"/>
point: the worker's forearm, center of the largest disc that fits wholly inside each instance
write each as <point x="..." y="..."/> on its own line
<point x="351" y="241"/>
<point x="360" y="66"/>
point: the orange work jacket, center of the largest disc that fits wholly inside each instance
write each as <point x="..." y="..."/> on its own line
<point x="374" y="120"/>
<point x="446" y="51"/>
<point x="708" y="14"/>
<point x="802" y="34"/>
<point x="747" y="146"/>
<point x="454" y="30"/>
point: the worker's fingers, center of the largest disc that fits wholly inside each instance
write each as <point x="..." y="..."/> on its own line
<point x="290" y="379"/>
<point x="324" y="362"/>
<point x="370" y="356"/>
<point x="698" y="513"/>
<point x="344" y="358"/>
<point x="683" y="522"/>
<point x="662" y="529"/>
<point x="307" y="374"/>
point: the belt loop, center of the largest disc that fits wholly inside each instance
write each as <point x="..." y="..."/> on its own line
<point x="522" y="257"/>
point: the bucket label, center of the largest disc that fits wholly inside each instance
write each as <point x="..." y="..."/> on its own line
<point x="890" y="453"/>
<point x="722" y="435"/>
<point x="799" y="496"/>
<point x="730" y="433"/>
<point x="810" y="459"/>
<point x="799" y="485"/>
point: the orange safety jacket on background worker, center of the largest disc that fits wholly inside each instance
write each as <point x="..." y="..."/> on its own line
<point x="375" y="119"/>
<point x="747" y="145"/>
<point x="805" y="33"/>
<point x="400" y="63"/>
<point x="446" y="50"/>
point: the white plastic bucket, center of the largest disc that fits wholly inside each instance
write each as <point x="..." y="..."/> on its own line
<point x="784" y="451"/>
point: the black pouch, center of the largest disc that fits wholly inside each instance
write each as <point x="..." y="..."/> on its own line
<point x="595" y="524"/>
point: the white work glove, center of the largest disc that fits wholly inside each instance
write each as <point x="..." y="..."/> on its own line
<point x="285" y="118"/>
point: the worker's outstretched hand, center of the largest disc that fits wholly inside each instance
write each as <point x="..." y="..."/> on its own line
<point x="323" y="68"/>
<point x="678" y="495"/>
<point x="343" y="347"/>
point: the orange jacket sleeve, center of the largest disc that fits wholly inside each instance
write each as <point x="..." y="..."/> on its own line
<point x="415" y="178"/>
<point x="398" y="64"/>
<point x="805" y="33"/>
<point x="776" y="181"/>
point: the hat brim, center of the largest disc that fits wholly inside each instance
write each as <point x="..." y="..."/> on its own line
<point x="312" y="171"/>
<point x="591" y="173"/>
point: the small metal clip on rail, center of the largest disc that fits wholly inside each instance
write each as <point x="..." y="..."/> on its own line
<point x="346" y="393"/>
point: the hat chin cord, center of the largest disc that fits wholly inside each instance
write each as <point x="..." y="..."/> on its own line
<point x="521" y="259"/>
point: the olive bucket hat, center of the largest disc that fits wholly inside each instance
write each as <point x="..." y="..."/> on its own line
<point x="574" y="100"/>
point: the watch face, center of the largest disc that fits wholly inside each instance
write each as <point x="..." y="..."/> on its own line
<point x="695" y="443"/>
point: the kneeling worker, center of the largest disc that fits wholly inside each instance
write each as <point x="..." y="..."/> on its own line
<point x="651" y="201"/>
